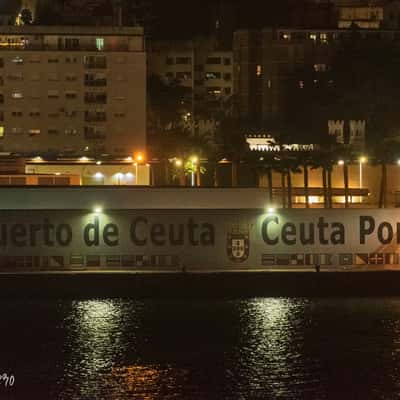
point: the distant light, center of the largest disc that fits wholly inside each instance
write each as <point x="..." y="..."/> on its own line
<point x="98" y="175"/>
<point x="363" y="160"/>
<point x="128" y="159"/>
<point x="139" y="157"/>
<point x="83" y="159"/>
<point x="271" y="210"/>
<point x="194" y="160"/>
<point x="341" y="162"/>
<point x="37" y="159"/>
<point x="57" y="173"/>
<point x="129" y="175"/>
<point x="98" y="162"/>
<point x="398" y="162"/>
<point x="178" y="163"/>
<point x="98" y="210"/>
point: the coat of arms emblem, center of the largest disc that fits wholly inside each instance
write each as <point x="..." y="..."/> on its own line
<point x="238" y="245"/>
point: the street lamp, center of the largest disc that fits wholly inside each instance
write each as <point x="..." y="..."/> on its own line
<point x="362" y="160"/>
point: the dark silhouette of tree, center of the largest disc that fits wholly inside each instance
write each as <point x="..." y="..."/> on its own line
<point x="231" y="144"/>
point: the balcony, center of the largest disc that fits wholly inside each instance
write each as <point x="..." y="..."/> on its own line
<point x="92" y="133"/>
<point x="96" y="82"/>
<point x="95" y="117"/>
<point x="95" y="98"/>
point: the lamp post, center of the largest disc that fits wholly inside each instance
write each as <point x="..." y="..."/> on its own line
<point x="180" y="166"/>
<point x="362" y="161"/>
<point x="139" y="158"/>
<point x="136" y="172"/>
<point x="346" y="182"/>
<point x="194" y="161"/>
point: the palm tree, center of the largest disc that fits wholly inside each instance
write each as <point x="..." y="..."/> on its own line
<point x="324" y="160"/>
<point x="346" y="155"/>
<point x="231" y="144"/>
<point x="385" y="151"/>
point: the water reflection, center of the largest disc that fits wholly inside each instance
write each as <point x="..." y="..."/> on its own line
<point x="204" y="349"/>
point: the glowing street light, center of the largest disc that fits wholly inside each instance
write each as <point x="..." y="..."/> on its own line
<point x="340" y="162"/>
<point x="178" y="162"/>
<point x="139" y="157"/>
<point x="97" y="210"/>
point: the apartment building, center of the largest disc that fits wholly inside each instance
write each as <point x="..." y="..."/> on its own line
<point x="199" y="65"/>
<point x="266" y="59"/>
<point x="72" y="90"/>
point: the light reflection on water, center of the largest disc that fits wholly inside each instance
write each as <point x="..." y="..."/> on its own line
<point x="203" y="349"/>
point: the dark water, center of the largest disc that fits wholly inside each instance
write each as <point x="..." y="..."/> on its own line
<point x="199" y="349"/>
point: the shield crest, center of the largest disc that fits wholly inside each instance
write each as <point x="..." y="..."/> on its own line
<point x="238" y="247"/>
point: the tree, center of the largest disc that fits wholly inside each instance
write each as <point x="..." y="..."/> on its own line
<point x="231" y="143"/>
<point x="384" y="152"/>
<point x="168" y="133"/>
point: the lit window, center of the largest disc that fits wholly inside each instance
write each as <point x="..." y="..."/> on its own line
<point x="100" y="44"/>
<point x="323" y="37"/>
<point x="259" y="70"/>
<point x="213" y="75"/>
<point x="17" y="95"/>
<point x="313" y="36"/>
<point x="33" y="132"/>
<point x="320" y="67"/>
<point x="17" y="60"/>
<point x="1" y="131"/>
<point x="71" y="131"/>
<point x="301" y="84"/>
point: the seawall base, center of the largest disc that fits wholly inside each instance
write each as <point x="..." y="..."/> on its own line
<point x="190" y="285"/>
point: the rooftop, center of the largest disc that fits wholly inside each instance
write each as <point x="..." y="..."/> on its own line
<point x="70" y="30"/>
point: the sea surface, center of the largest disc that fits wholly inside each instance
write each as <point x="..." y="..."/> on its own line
<point x="261" y="348"/>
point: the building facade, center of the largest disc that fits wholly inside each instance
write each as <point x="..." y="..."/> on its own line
<point x="265" y="60"/>
<point x="72" y="90"/>
<point x="199" y="66"/>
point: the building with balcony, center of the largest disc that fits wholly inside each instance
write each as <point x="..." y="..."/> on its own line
<point x="199" y="66"/>
<point x="267" y="60"/>
<point x="72" y="90"/>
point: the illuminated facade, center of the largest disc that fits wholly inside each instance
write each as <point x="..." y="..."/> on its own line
<point x="72" y="90"/>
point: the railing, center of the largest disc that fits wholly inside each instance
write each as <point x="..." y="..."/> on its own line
<point x="96" y="82"/>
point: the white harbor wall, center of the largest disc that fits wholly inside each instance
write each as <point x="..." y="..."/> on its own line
<point x="197" y="239"/>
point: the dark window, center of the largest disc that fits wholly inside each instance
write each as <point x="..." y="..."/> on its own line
<point x="214" y="60"/>
<point x="183" y="60"/>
